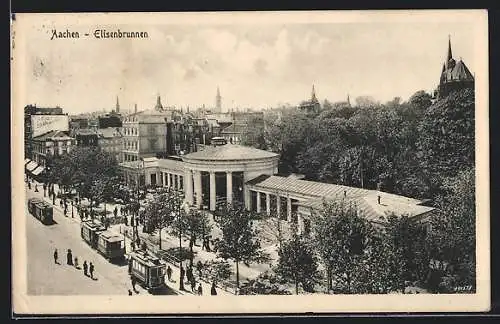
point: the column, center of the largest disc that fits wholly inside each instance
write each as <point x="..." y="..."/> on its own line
<point x="268" y="204"/>
<point x="247" y="198"/>
<point x="159" y="178"/>
<point x="197" y="188"/>
<point x="212" y="191"/>
<point x="258" y="202"/>
<point x="300" y="223"/>
<point x="178" y="182"/>
<point x="169" y="183"/>
<point x="278" y="206"/>
<point x="229" y="187"/>
<point x="289" y="209"/>
<point x="188" y="178"/>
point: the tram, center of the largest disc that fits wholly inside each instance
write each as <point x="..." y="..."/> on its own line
<point x="111" y="245"/>
<point x="147" y="269"/>
<point x="41" y="210"/>
<point x="90" y="231"/>
<point x="107" y="243"/>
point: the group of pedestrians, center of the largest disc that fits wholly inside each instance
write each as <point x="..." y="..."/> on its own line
<point x="88" y="268"/>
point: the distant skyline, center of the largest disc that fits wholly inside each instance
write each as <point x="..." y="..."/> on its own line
<point x="255" y="66"/>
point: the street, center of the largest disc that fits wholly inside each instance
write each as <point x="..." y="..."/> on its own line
<point x="47" y="278"/>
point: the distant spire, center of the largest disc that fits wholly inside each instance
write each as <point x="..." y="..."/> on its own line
<point x="117" y="105"/>
<point x="450" y="55"/>
<point x="313" y="95"/>
<point x="135" y="109"/>
<point x="348" y="100"/>
<point x="218" y="101"/>
<point x="158" y="106"/>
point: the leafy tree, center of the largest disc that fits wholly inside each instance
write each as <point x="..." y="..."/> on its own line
<point x="196" y="224"/>
<point x="265" y="284"/>
<point x="447" y="134"/>
<point x="341" y="236"/>
<point x="239" y="240"/>
<point x="216" y="270"/>
<point x="454" y="229"/>
<point x="297" y="263"/>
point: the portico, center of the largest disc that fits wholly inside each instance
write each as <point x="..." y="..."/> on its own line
<point x="218" y="174"/>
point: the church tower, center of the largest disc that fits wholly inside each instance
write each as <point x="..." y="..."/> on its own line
<point x="454" y="75"/>
<point x="117" y="105"/>
<point x="159" y="106"/>
<point x="218" y="101"/>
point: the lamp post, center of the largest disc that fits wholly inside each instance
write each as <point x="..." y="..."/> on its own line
<point x="179" y="220"/>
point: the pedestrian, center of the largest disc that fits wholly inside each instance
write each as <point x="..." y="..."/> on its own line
<point x="69" y="257"/>
<point x="169" y="273"/>
<point x="29" y="185"/>
<point x="181" y="285"/>
<point x="36" y="187"/>
<point x="199" y="267"/>
<point x="193" y="285"/>
<point x="76" y="262"/>
<point x="85" y="267"/>
<point x="213" y="291"/>
<point x="115" y="211"/>
<point x="200" y="290"/>
<point x="130" y="292"/>
<point x="91" y="270"/>
<point x="132" y="279"/>
<point x="189" y="274"/>
<point x="55" y="257"/>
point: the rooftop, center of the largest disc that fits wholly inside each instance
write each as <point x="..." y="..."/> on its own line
<point x="53" y="135"/>
<point x="229" y="152"/>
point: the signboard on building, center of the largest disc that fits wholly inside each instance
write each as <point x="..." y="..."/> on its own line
<point x="41" y="124"/>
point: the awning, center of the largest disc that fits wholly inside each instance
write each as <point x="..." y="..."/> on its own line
<point x="38" y="170"/>
<point x="31" y="166"/>
<point x="26" y="161"/>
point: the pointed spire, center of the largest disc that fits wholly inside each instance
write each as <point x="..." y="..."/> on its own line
<point x="218" y="101"/>
<point x="450" y="55"/>
<point x="158" y="106"/>
<point x="117" y="105"/>
<point x="348" y="100"/>
<point x="135" y="109"/>
<point x="313" y="94"/>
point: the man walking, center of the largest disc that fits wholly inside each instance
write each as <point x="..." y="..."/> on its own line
<point x="213" y="291"/>
<point x="169" y="273"/>
<point x="200" y="290"/>
<point x="55" y="257"/>
<point x="69" y="256"/>
<point x="85" y="268"/>
<point x="181" y="284"/>
<point x="91" y="270"/>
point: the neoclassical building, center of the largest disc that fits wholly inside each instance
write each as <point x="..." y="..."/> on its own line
<point x="230" y="173"/>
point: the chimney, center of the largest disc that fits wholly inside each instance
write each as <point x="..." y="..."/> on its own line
<point x="378" y="199"/>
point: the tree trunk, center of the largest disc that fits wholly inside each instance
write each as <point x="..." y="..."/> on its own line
<point x="191" y="252"/>
<point x="237" y="278"/>
<point x="296" y="287"/>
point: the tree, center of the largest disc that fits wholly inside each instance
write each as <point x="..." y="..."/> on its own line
<point x="265" y="284"/>
<point x="196" y="224"/>
<point x="447" y="135"/>
<point x="158" y="213"/>
<point x="453" y="231"/>
<point x="297" y="263"/>
<point x="239" y="240"/>
<point x="340" y="236"/>
<point x="216" y="270"/>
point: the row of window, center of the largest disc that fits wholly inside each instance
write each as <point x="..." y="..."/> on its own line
<point x="131" y="145"/>
<point x="130" y="131"/>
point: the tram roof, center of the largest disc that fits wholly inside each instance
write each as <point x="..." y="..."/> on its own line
<point x="111" y="236"/>
<point x="146" y="258"/>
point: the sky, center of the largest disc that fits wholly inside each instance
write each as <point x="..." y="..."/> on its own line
<point x="254" y="65"/>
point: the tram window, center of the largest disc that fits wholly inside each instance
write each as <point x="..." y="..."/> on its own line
<point x="122" y="244"/>
<point x="154" y="272"/>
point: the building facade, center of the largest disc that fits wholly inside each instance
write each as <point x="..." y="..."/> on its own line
<point x="233" y="173"/>
<point x="38" y="120"/>
<point x="53" y="143"/>
<point x="144" y="135"/>
<point x="111" y="140"/>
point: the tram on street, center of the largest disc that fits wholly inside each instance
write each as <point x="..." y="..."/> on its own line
<point x="147" y="269"/>
<point x="41" y="210"/>
<point x="111" y="245"/>
<point x="90" y="231"/>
